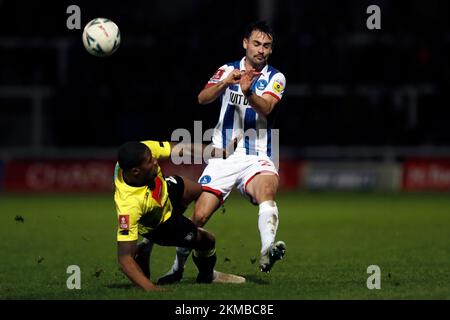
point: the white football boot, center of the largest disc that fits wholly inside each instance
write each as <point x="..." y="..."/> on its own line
<point x="276" y="252"/>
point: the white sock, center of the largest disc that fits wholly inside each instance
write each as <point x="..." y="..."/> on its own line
<point x="267" y="224"/>
<point x="180" y="259"/>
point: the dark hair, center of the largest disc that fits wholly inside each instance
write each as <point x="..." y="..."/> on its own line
<point x="131" y="154"/>
<point x="258" y="26"/>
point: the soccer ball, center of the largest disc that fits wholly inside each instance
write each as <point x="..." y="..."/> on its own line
<point x="101" y="37"/>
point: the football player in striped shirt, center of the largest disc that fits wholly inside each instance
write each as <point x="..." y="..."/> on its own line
<point x="249" y="91"/>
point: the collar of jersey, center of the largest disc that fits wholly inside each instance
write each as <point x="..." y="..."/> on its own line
<point x="242" y="66"/>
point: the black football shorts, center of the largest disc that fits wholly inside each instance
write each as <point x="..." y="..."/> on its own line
<point x="177" y="230"/>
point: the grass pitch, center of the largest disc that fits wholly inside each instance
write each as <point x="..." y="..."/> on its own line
<point x="331" y="240"/>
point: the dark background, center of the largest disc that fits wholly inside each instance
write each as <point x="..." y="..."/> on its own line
<point x="346" y="85"/>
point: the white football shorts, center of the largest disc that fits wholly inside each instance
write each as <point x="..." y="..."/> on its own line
<point x="221" y="175"/>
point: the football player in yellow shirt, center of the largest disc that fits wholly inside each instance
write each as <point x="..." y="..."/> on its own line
<point x="152" y="206"/>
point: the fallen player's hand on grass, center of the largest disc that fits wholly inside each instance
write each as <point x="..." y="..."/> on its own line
<point x="156" y="289"/>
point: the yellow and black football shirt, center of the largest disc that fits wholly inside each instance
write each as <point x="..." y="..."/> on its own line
<point x="141" y="209"/>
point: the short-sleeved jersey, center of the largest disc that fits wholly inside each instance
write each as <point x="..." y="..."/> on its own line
<point x="141" y="209"/>
<point x="237" y="115"/>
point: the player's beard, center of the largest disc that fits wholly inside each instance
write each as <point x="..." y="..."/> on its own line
<point x="258" y="64"/>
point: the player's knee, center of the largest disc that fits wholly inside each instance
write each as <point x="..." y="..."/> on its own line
<point x="266" y="191"/>
<point x="211" y="241"/>
<point x="200" y="217"/>
<point x="205" y="240"/>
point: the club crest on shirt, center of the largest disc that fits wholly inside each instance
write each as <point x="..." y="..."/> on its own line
<point x="261" y="84"/>
<point x="278" y="86"/>
<point x="205" y="179"/>
<point x="124" y="221"/>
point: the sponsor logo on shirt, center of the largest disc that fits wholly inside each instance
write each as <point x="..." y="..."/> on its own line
<point x="278" y="86"/>
<point x="238" y="99"/>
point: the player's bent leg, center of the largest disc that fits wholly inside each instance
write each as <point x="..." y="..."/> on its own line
<point x="205" y="206"/>
<point x="182" y="191"/>
<point x="263" y="189"/>
<point x="204" y="240"/>
<point x="204" y="255"/>
<point x="205" y="259"/>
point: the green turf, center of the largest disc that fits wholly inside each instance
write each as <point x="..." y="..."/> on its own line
<point x="331" y="237"/>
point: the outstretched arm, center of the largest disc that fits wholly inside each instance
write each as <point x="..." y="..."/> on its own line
<point x="190" y="149"/>
<point x="125" y="253"/>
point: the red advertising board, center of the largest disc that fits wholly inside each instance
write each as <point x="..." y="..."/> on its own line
<point x="97" y="175"/>
<point x="59" y="176"/>
<point x="290" y="172"/>
<point x="2" y="175"/>
<point x="426" y="175"/>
